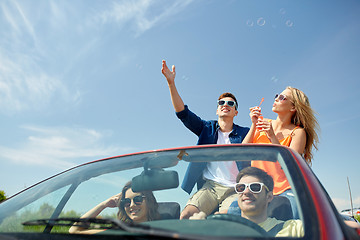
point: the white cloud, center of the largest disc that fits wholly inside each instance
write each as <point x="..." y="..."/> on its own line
<point x="28" y="78"/>
<point x="60" y="147"/>
<point x="342" y="203"/>
<point x="17" y="28"/>
<point x="25" y="82"/>
<point x="27" y="24"/>
<point x="9" y="18"/>
<point x="23" y="86"/>
<point x="137" y="13"/>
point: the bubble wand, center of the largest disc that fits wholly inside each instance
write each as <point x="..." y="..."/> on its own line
<point x="261" y="102"/>
<point x="261" y="117"/>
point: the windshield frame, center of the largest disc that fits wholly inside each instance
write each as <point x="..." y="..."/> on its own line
<point x="168" y="158"/>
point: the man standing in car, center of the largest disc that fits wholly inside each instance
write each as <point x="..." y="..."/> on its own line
<point x="214" y="180"/>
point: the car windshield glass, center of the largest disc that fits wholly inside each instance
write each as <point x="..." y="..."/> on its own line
<point x="122" y="110"/>
<point x="74" y="193"/>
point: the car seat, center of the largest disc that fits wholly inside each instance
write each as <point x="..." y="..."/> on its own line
<point x="280" y="208"/>
<point x="169" y="210"/>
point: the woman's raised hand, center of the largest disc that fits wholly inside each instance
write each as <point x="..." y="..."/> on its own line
<point x="255" y="113"/>
<point x="114" y="201"/>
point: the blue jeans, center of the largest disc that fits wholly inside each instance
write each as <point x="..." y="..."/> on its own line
<point x="289" y="195"/>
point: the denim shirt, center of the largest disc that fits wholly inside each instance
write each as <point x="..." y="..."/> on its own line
<point x="207" y="133"/>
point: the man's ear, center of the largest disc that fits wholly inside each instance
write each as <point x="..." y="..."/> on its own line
<point x="269" y="197"/>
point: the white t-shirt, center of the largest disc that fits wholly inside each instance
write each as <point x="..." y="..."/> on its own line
<point x="222" y="172"/>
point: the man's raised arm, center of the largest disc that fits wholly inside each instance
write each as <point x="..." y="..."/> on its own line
<point x="170" y="77"/>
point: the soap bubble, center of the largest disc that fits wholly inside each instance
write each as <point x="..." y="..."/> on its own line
<point x="289" y="23"/>
<point x="250" y="23"/>
<point x="139" y="66"/>
<point x="274" y="79"/>
<point x="261" y="22"/>
<point x="185" y="78"/>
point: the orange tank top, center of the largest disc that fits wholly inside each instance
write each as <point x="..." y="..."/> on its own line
<point x="281" y="183"/>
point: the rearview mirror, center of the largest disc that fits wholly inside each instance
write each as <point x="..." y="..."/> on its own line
<point x="155" y="179"/>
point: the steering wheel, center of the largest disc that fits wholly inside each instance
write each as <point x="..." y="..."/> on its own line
<point x="239" y="219"/>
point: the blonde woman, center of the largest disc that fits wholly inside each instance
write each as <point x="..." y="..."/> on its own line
<point x="295" y="126"/>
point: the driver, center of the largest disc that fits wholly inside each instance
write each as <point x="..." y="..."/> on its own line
<point x="255" y="192"/>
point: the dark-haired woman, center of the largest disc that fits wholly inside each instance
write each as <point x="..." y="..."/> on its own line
<point x="133" y="208"/>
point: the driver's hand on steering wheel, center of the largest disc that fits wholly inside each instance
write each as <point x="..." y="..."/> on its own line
<point x="198" y="216"/>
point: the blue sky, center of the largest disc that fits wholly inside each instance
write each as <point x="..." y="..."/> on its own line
<point x="81" y="80"/>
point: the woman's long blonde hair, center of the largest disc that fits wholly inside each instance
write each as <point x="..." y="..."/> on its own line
<point x="305" y="118"/>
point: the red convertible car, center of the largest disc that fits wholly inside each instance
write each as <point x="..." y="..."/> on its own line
<point x="95" y="201"/>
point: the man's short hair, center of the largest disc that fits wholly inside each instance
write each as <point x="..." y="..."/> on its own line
<point x="227" y="94"/>
<point x="258" y="173"/>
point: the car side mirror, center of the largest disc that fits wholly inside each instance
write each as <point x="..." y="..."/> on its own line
<point x="155" y="179"/>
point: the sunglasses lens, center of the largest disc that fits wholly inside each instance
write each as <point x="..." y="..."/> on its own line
<point x="240" y="188"/>
<point x="125" y="202"/>
<point x="280" y="97"/>
<point x="221" y="102"/>
<point x="231" y="103"/>
<point x="255" y="187"/>
<point x="138" y="200"/>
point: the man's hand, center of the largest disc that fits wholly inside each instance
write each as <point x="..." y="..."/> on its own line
<point x="198" y="216"/>
<point x="175" y="96"/>
<point x="170" y="75"/>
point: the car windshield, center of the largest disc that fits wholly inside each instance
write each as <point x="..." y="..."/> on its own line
<point x="110" y="110"/>
<point x="73" y="193"/>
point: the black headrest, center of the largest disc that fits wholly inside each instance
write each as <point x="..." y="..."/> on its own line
<point x="169" y="210"/>
<point x="280" y="208"/>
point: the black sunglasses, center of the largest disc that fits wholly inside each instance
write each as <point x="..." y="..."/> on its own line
<point x="229" y="103"/>
<point x="254" y="187"/>
<point x="125" y="202"/>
